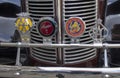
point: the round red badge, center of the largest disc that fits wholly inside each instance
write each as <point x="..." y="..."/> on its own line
<point x="47" y="27"/>
<point x="75" y="27"/>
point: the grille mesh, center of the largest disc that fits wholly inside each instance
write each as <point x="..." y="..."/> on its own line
<point x="86" y="9"/>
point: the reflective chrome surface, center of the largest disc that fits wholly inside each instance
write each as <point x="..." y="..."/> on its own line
<point x="64" y="72"/>
<point x="58" y="72"/>
<point x="61" y="11"/>
<point x="95" y="45"/>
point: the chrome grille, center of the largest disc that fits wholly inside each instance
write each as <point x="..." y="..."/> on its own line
<point x="86" y="9"/>
<point x="38" y="9"/>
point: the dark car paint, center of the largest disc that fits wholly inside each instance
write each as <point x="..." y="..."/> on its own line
<point x="113" y="25"/>
<point x="113" y="8"/>
<point x="9" y="7"/>
<point x="8" y="11"/>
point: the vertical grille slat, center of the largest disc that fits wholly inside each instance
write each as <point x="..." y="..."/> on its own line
<point x="85" y="9"/>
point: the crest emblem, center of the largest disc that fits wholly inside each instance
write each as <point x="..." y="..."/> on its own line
<point x="24" y="24"/>
<point x="75" y="27"/>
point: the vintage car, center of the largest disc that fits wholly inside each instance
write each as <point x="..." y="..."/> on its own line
<point x="60" y="38"/>
<point x="58" y="22"/>
<point x="61" y="22"/>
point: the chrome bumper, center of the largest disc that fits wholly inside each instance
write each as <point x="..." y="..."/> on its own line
<point x="59" y="72"/>
<point x="95" y="45"/>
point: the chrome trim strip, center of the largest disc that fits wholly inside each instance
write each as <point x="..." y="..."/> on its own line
<point x="44" y="54"/>
<point x="87" y="2"/>
<point x="58" y="9"/>
<point x="95" y="45"/>
<point x="59" y="19"/>
<point x="80" y="7"/>
<point x="52" y="52"/>
<point x="42" y="11"/>
<point x="33" y="54"/>
<point x="81" y="10"/>
<point x="86" y="52"/>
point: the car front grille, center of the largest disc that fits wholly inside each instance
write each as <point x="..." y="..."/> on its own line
<point x="86" y="9"/>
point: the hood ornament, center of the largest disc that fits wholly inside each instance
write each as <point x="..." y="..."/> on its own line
<point x="99" y="32"/>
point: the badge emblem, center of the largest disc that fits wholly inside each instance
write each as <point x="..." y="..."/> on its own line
<point x="24" y="24"/>
<point x="75" y="27"/>
<point x="47" y="27"/>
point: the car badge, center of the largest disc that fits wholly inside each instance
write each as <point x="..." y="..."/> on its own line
<point x="23" y="24"/>
<point x="47" y="27"/>
<point x="75" y="27"/>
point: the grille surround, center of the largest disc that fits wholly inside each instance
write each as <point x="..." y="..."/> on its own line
<point x="70" y="8"/>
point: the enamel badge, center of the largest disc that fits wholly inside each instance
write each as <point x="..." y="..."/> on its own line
<point x="75" y="27"/>
<point x="47" y="27"/>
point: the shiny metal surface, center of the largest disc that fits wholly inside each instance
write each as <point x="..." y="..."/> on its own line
<point x="87" y="11"/>
<point x="106" y="58"/>
<point x="58" y="8"/>
<point x="57" y="72"/>
<point x="66" y="72"/>
<point x="61" y="11"/>
<point x="95" y="45"/>
<point x="37" y="10"/>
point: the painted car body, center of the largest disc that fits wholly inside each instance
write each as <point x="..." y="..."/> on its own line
<point x="9" y="9"/>
<point x="113" y="25"/>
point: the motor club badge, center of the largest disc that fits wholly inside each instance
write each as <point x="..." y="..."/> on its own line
<point x="75" y="26"/>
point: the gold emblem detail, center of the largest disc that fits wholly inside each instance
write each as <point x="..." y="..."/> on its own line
<point x="74" y="27"/>
<point x="23" y="24"/>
